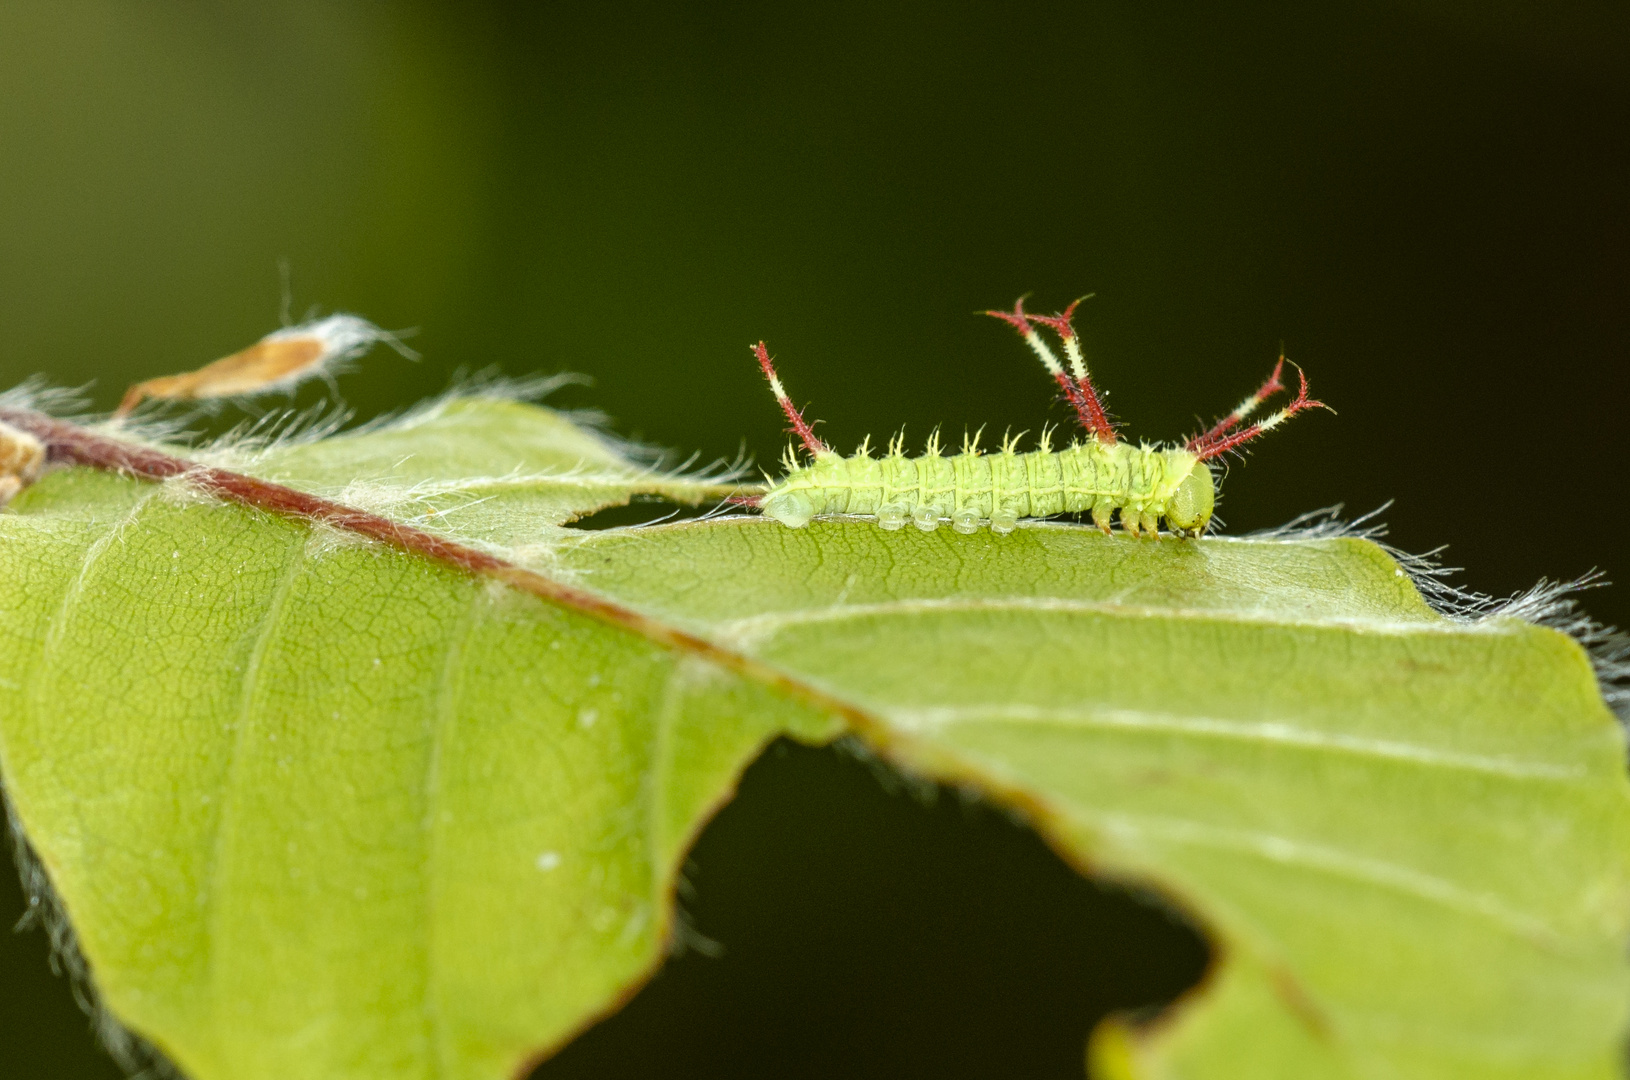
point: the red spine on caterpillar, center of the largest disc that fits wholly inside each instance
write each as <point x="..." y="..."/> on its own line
<point x="1218" y="441"/>
<point x="814" y="445"/>
<point x="1079" y="392"/>
<point x="1096" y="421"/>
<point x="1269" y="388"/>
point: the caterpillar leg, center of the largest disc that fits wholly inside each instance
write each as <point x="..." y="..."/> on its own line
<point x="814" y="445"/>
<point x="1103" y="516"/>
<point x="1079" y="392"/>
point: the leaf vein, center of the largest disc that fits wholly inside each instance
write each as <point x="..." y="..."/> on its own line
<point x="39" y="680"/>
<point x="1379" y="873"/>
<point x="755" y="629"/>
<point x="674" y="688"/>
<point x="213" y="874"/>
<point x="1271" y="732"/>
<point x="442" y="719"/>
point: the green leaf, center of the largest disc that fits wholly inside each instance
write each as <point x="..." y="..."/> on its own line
<point x="492" y="472"/>
<point x="317" y="807"/>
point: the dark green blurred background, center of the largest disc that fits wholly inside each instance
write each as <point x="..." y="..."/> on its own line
<point x="1425" y="201"/>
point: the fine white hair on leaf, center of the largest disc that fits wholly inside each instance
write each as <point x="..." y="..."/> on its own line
<point x="1546" y="603"/>
<point x="1327" y="524"/>
<point x="137" y="1057"/>
<point x="73" y="404"/>
<point x="489" y="384"/>
<point x="324" y="540"/>
<point x="262" y="433"/>
<point x="486" y="384"/>
<point x="1552" y="603"/>
<point x="683" y="935"/>
<point x="35" y="393"/>
<point x="661" y="460"/>
<point x="253" y="439"/>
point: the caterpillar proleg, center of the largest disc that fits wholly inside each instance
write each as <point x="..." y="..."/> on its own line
<point x="1101" y="475"/>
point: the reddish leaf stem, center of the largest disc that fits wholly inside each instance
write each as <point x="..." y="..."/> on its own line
<point x="68" y="443"/>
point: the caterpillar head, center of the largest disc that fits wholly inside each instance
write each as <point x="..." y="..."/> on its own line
<point x="1189" y="510"/>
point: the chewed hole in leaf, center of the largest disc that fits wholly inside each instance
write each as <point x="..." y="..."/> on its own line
<point x="869" y="932"/>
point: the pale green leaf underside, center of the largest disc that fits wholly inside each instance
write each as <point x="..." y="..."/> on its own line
<point x="494" y="473"/>
<point x="322" y="809"/>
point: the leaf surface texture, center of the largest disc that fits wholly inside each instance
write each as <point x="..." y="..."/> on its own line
<point x="319" y="808"/>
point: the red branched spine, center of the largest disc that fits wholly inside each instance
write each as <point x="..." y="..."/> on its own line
<point x="1217" y="442"/>
<point x="1269" y="388"/>
<point x="811" y="443"/>
<point x="1063" y="324"/>
<point x="1089" y="412"/>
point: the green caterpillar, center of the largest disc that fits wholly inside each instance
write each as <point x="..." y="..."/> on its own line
<point x="1101" y="476"/>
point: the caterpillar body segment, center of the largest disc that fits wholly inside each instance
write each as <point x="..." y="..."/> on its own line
<point x="1143" y="485"/>
<point x="1103" y="476"/>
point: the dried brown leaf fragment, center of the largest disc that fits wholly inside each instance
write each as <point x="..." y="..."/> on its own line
<point x="278" y="361"/>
